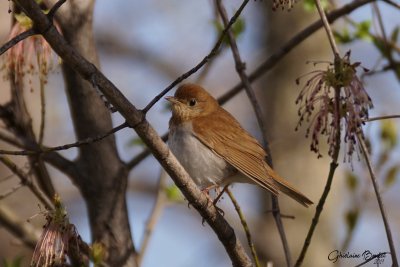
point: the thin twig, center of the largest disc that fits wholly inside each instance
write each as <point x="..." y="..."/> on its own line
<point x="267" y="65"/>
<point x="318" y="211"/>
<point x="240" y="68"/>
<point x="11" y="191"/>
<point x="10" y="140"/>
<point x="86" y="141"/>
<point x="202" y="62"/>
<point x="321" y="202"/>
<point x="7" y="177"/>
<point x="245" y="227"/>
<point x="136" y="119"/>
<point x="22" y="230"/>
<point x="26" y="181"/>
<point x="392" y="3"/>
<point x="55" y="8"/>
<point x="42" y="105"/>
<point x="383" y="118"/>
<point x="387" y="46"/>
<point x="327" y="28"/>
<point x="16" y="39"/>
<point x="291" y="44"/>
<point x="154" y="215"/>
<point x="379" y="199"/>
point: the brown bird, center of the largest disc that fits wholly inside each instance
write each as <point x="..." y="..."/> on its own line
<point x="214" y="149"/>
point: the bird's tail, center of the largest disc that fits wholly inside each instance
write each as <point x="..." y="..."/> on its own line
<point x="283" y="186"/>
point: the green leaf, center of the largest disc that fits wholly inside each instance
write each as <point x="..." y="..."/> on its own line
<point x="383" y="158"/>
<point x="135" y="142"/>
<point x="388" y="133"/>
<point x="363" y="30"/>
<point x="173" y="193"/>
<point x="351" y="218"/>
<point x="391" y="176"/>
<point x="309" y="5"/>
<point x="97" y="253"/>
<point x="395" y="34"/>
<point x="351" y="181"/>
<point x="343" y="37"/>
<point x="237" y="29"/>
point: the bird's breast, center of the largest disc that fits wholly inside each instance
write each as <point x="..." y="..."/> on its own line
<point x="203" y="165"/>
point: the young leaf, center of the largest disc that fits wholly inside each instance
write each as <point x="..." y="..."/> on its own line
<point x="351" y="218"/>
<point x="173" y="193"/>
<point x="391" y="176"/>
<point x="343" y="37"/>
<point x="135" y="142"/>
<point x="351" y="181"/>
<point x="395" y="34"/>
<point x="363" y="30"/>
<point x="388" y="133"/>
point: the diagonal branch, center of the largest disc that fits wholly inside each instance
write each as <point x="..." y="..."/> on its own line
<point x="26" y="181"/>
<point x="379" y="199"/>
<point x="275" y="58"/>
<point x="22" y="230"/>
<point x="16" y="39"/>
<point x="213" y="52"/>
<point x="240" y="68"/>
<point x="136" y="119"/>
<point x="45" y="150"/>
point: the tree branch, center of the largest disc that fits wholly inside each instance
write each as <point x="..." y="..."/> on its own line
<point x="275" y="58"/>
<point x="291" y="44"/>
<point x="333" y="166"/>
<point x="213" y="52"/>
<point x="26" y="181"/>
<point x="44" y="150"/>
<point x="379" y="199"/>
<point x="240" y="68"/>
<point x="245" y="227"/>
<point x="16" y="39"/>
<point x="136" y="119"/>
<point x="22" y="230"/>
<point x="154" y="215"/>
<point x="383" y="118"/>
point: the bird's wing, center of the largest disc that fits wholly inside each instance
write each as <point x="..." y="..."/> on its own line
<point x="224" y="135"/>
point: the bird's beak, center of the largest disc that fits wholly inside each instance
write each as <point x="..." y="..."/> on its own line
<point x="172" y="99"/>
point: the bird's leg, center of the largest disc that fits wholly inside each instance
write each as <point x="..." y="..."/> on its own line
<point x="210" y="200"/>
<point x="220" y="194"/>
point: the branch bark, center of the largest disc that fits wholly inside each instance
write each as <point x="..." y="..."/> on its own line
<point x="136" y="120"/>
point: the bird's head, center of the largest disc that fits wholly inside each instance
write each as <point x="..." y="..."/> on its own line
<point x="191" y="101"/>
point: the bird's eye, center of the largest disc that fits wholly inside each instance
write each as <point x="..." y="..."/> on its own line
<point x="192" y="102"/>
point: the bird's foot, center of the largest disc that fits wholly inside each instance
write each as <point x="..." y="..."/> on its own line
<point x="212" y="201"/>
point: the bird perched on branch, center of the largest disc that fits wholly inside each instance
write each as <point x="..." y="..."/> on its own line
<point x="215" y="150"/>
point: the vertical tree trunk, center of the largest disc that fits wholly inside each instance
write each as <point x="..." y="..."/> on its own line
<point x="102" y="175"/>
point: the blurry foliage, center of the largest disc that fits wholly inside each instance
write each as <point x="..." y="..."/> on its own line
<point x="237" y="29"/>
<point x="16" y="262"/>
<point x="386" y="171"/>
<point x="97" y="253"/>
<point x="173" y="193"/>
<point x="361" y="32"/>
<point x="309" y="5"/>
<point x="135" y="142"/>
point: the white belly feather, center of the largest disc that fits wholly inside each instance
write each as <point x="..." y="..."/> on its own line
<point x="205" y="167"/>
